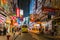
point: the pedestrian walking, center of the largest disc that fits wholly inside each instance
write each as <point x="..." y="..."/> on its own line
<point x="8" y="36"/>
<point x="12" y="29"/>
<point x="4" y="31"/>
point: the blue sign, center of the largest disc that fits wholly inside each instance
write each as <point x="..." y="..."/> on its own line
<point x="32" y="4"/>
<point x="18" y="20"/>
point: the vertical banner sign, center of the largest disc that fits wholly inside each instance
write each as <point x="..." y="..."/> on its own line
<point x="18" y="20"/>
<point x="21" y="12"/>
<point x="17" y="12"/>
<point x="21" y="15"/>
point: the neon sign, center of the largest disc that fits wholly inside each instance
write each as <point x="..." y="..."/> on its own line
<point x="17" y="12"/>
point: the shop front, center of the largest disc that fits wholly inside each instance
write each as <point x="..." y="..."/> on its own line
<point x="47" y="27"/>
<point x="34" y="27"/>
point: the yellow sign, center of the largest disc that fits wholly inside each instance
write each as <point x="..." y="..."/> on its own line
<point x="8" y="20"/>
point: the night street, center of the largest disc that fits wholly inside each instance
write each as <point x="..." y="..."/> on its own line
<point x="29" y="19"/>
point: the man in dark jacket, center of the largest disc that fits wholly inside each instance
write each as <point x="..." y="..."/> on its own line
<point x="4" y="31"/>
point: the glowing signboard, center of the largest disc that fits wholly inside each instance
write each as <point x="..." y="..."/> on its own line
<point x="21" y="12"/>
<point x="17" y="12"/>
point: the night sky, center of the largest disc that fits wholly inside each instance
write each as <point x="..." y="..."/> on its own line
<point x="24" y="4"/>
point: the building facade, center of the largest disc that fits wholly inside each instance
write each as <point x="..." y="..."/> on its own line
<point x="45" y="9"/>
<point x="32" y="6"/>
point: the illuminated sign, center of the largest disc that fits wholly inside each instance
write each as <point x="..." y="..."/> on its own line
<point x="21" y="12"/>
<point x="16" y="24"/>
<point x="13" y="17"/>
<point x="32" y="6"/>
<point x="18" y="20"/>
<point x="17" y="12"/>
<point x="51" y="10"/>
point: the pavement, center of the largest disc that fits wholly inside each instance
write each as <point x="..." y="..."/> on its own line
<point x="25" y="36"/>
<point x="38" y="37"/>
<point x="30" y="36"/>
<point x="34" y="31"/>
<point x="4" y="38"/>
<point x="44" y="36"/>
